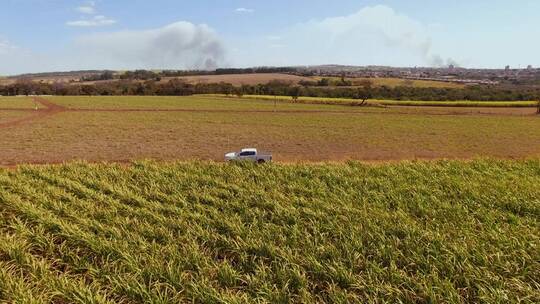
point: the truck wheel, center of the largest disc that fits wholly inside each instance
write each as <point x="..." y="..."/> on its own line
<point x="260" y="161"/>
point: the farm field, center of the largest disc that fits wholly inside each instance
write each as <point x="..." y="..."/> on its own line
<point x="397" y="82"/>
<point x="444" y="231"/>
<point x="123" y="129"/>
<point x="349" y="101"/>
<point x="392" y="82"/>
<point x="197" y="102"/>
<point x="240" y="79"/>
<point x="6" y="116"/>
<point x="9" y="103"/>
<point x="263" y="78"/>
<point x="257" y="78"/>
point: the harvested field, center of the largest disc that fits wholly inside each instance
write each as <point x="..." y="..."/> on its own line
<point x="436" y="232"/>
<point x="171" y="128"/>
<point x="240" y="79"/>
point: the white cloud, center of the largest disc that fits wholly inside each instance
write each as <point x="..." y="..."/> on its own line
<point x="90" y="9"/>
<point x="375" y="34"/>
<point x="181" y="45"/>
<point x="6" y="47"/>
<point x="273" y="38"/>
<point x="96" y="21"/>
<point x="244" y="10"/>
<point x="86" y="9"/>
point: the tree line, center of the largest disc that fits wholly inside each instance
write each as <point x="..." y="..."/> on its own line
<point x="152" y="75"/>
<point x="176" y="87"/>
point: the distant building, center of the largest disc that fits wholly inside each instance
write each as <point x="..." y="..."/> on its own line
<point x="507" y="68"/>
<point x="529" y="67"/>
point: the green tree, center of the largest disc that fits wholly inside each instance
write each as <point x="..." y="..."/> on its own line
<point x="88" y="90"/>
<point x="364" y="94"/>
<point x="366" y="83"/>
<point x="323" y="82"/>
<point x="239" y="92"/>
<point x="294" y="92"/>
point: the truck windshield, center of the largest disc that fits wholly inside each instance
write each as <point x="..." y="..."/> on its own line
<point x="248" y="153"/>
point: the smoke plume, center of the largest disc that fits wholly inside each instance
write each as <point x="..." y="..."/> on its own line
<point x="373" y="35"/>
<point x="180" y="45"/>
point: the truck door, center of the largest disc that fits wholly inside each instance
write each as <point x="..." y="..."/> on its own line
<point x="248" y="155"/>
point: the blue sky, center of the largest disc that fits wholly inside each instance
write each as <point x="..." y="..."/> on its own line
<point x="46" y="35"/>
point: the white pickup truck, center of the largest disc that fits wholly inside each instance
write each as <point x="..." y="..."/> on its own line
<point x="249" y="154"/>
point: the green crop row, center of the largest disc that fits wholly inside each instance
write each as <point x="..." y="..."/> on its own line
<point x="410" y="232"/>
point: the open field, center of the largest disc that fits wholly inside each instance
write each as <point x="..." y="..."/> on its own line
<point x="254" y="79"/>
<point x="197" y="102"/>
<point x="447" y="231"/>
<point x="18" y="103"/>
<point x="438" y="231"/>
<point x="214" y="102"/>
<point x="12" y="115"/>
<point x="6" y="81"/>
<point x="349" y="101"/>
<point x="183" y="128"/>
<point x="240" y="79"/>
<point x="257" y="78"/>
<point x="399" y="82"/>
<point x="44" y="79"/>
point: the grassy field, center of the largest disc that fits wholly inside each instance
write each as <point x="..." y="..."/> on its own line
<point x="12" y="115"/>
<point x="197" y="102"/>
<point x="349" y="101"/>
<point x="18" y="102"/>
<point x="420" y="232"/>
<point x="185" y="128"/>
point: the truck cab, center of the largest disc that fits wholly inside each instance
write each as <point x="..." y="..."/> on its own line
<point x="248" y="154"/>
